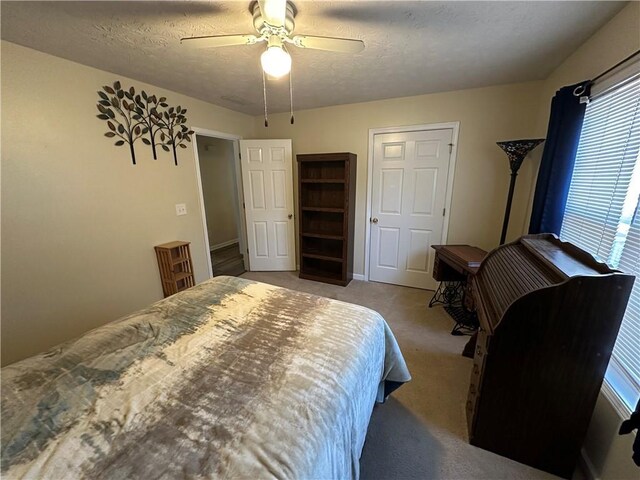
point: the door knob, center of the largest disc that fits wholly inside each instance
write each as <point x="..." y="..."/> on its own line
<point x="290" y="216"/>
<point x="374" y="220"/>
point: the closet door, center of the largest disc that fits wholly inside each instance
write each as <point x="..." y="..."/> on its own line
<point x="407" y="210"/>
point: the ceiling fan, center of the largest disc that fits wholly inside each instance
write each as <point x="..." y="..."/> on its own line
<point x="274" y="23"/>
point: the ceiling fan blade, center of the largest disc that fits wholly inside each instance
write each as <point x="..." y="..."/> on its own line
<point x="220" y="40"/>
<point x="331" y="44"/>
<point x="273" y="11"/>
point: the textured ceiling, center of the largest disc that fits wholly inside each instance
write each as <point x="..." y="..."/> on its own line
<point x="411" y="47"/>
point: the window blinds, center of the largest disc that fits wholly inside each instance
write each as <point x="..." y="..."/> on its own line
<point x="602" y="212"/>
<point x="626" y="353"/>
<point x="605" y="161"/>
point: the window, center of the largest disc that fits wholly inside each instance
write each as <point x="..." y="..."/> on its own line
<point x="602" y="214"/>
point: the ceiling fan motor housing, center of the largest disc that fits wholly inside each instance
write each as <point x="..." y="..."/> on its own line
<point x="268" y="30"/>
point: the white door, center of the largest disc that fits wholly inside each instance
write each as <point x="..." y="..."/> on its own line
<point x="267" y="181"/>
<point x="409" y="190"/>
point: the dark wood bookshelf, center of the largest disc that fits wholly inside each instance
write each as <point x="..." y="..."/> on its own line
<point x="321" y="257"/>
<point x="321" y="235"/>
<point x="321" y="180"/>
<point x="326" y="199"/>
<point x="323" y="209"/>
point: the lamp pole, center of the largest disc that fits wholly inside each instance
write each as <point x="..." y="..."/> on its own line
<point x="516" y="150"/>
<point x="507" y="211"/>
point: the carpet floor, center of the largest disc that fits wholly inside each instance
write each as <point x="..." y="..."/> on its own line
<point x="421" y="431"/>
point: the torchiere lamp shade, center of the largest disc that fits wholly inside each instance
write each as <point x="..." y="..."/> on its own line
<point x="516" y="150"/>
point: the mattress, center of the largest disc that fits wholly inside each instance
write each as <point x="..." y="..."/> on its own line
<point x="229" y="379"/>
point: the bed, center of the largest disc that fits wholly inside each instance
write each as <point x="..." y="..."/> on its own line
<point x="229" y="379"/>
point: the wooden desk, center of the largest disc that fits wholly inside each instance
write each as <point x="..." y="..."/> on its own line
<point x="453" y="267"/>
<point x="462" y="259"/>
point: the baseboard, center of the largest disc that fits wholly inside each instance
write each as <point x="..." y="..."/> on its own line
<point x="218" y="246"/>
<point x="587" y="467"/>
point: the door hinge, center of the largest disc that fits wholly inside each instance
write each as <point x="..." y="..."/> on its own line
<point x="443" y="211"/>
<point x="240" y="155"/>
<point x="247" y="250"/>
<point x="243" y="205"/>
<point x="450" y="148"/>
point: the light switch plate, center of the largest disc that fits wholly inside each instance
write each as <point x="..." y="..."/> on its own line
<point x="181" y="209"/>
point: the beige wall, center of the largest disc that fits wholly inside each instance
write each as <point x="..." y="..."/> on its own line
<point x="79" y="221"/>
<point x="217" y="170"/>
<point x="486" y="115"/>
<point x="608" y="453"/>
<point x="615" y="41"/>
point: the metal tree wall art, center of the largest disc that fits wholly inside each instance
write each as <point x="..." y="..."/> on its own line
<point x="131" y="116"/>
<point x="123" y="125"/>
<point x="147" y="114"/>
<point x="175" y="133"/>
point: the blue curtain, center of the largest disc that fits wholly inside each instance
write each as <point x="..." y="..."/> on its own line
<point x="558" y="158"/>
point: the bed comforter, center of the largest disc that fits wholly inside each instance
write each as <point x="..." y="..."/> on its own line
<point x="229" y="379"/>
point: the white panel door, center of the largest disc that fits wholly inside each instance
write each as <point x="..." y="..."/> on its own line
<point x="267" y="181"/>
<point x="407" y="206"/>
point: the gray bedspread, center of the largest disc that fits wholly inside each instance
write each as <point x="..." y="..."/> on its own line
<point x="229" y="379"/>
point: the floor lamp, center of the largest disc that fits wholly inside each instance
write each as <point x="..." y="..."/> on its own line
<point x="516" y="150"/>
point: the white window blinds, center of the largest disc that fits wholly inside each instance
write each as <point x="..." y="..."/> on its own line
<point x="602" y="212"/>
<point x="624" y="370"/>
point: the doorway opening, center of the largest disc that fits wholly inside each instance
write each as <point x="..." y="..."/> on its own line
<point x="218" y="162"/>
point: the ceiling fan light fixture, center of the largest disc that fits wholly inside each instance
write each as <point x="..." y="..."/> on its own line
<point x="275" y="61"/>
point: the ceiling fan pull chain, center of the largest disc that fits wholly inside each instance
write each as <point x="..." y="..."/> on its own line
<point x="264" y="95"/>
<point x="291" y="94"/>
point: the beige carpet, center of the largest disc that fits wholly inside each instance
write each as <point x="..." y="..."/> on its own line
<point x="420" y="432"/>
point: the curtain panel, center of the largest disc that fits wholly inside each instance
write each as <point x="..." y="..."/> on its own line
<point x="558" y="158"/>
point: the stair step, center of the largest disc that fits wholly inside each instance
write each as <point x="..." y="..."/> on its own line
<point x="229" y="268"/>
<point x="227" y="261"/>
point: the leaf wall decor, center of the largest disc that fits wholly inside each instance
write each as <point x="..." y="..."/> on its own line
<point x="132" y="116"/>
<point x="147" y="113"/>
<point x="118" y="113"/>
<point x="175" y="133"/>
